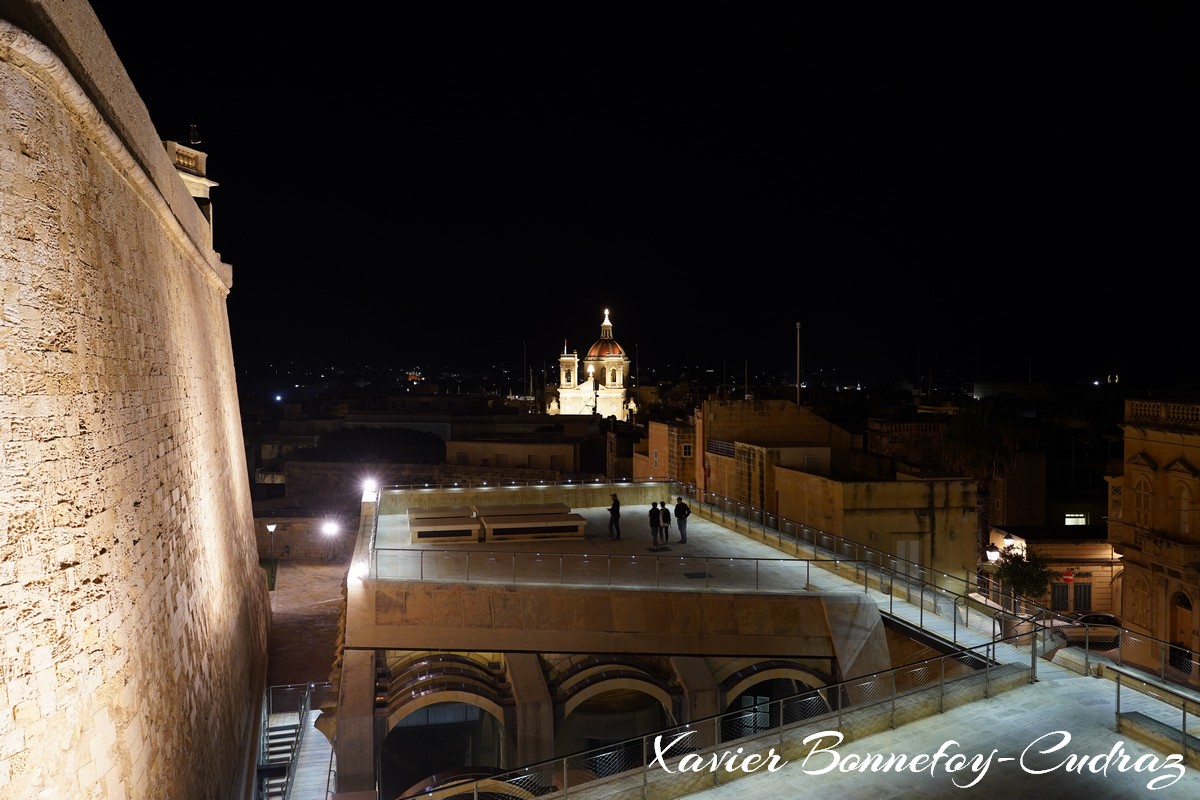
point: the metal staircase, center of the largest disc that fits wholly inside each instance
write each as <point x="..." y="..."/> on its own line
<point x="284" y="749"/>
<point x="280" y="743"/>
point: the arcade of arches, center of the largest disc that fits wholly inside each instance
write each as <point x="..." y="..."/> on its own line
<point x="453" y="715"/>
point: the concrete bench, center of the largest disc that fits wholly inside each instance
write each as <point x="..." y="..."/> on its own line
<point x="533" y="526"/>
<point x="439" y="511"/>
<point x="523" y="509"/>
<point x="442" y="529"/>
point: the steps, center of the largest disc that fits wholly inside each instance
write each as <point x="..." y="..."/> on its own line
<point x="303" y="757"/>
<point x="275" y="761"/>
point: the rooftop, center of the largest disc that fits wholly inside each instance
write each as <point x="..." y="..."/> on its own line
<point x="1072" y="703"/>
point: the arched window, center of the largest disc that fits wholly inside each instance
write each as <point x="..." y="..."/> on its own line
<point x="1181" y="502"/>
<point x="1139" y="603"/>
<point x="1141" y="502"/>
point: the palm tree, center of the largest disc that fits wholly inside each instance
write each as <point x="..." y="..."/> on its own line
<point x="980" y="443"/>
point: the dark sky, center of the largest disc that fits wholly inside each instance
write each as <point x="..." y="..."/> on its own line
<point x="1009" y="190"/>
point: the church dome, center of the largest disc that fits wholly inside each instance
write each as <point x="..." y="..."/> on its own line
<point x="606" y="346"/>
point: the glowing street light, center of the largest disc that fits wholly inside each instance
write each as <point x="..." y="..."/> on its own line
<point x="271" y="530"/>
<point x="595" y="389"/>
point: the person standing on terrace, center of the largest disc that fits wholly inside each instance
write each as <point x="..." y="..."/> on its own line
<point x="614" y="518"/>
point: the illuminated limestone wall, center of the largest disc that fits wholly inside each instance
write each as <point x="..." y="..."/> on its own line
<point x="133" y="612"/>
<point x="930" y="522"/>
<point x="766" y="424"/>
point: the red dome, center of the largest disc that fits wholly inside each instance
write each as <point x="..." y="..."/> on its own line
<point x="605" y="348"/>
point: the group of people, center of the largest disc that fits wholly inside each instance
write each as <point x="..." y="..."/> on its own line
<point x="660" y="520"/>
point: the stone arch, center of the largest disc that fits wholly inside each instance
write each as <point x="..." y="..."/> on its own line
<point x="641" y="685"/>
<point x="432" y="746"/>
<point x="782" y="700"/>
<point x="498" y="789"/>
<point x="606" y="716"/>
<point x="786" y="673"/>
<point x="446" y="696"/>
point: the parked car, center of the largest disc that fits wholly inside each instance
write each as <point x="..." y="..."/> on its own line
<point x="1091" y="628"/>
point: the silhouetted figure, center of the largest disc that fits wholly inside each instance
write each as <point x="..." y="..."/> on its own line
<point x="614" y="519"/>
<point x="682" y="512"/>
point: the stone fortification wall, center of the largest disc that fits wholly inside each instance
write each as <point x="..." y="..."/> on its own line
<point x="305" y="539"/>
<point x="133" y="612"/>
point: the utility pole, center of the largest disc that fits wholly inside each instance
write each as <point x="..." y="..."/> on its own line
<point x="797" y="363"/>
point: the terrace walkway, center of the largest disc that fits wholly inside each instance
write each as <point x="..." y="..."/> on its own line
<point x="1061" y="699"/>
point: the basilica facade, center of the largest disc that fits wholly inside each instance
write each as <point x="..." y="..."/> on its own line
<point x="598" y="384"/>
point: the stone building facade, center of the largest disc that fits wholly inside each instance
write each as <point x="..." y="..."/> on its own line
<point x="930" y="522"/>
<point x="133" y="609"/>
<point x="1087" y="572"/>
<point x="785" y="460"/>
<point x="1153" y="522"/>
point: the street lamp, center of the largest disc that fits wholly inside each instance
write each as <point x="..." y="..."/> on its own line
<point x="271" y="530"/>
<point x="595" y="389"/>
<point x="330" y="528"/>
<point x="993" y="553"/>
<point x="1009" y="541"/>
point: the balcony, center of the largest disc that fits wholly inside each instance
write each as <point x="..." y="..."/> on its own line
<point x="1154" y="545"/>
<point x="1161" y="414"/>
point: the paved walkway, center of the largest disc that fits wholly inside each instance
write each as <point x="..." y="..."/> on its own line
<point x="306" y="605"/>
<point x="1006" y="734"/>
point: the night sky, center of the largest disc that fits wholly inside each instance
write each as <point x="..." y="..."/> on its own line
<point x="1005" y="191"/>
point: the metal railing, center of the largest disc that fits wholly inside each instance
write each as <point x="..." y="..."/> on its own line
<point x="711" y="749"/>
<point x="1172" y="713"/>
<point x="283" y="707"/>
<point x="331" y="772"/>
<point x="789" y="536"/>
<point x="793" y="537"/>
<point x="654" y="764"/>
<point x="803" y="541"/>
<point x="931" y="599"/>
